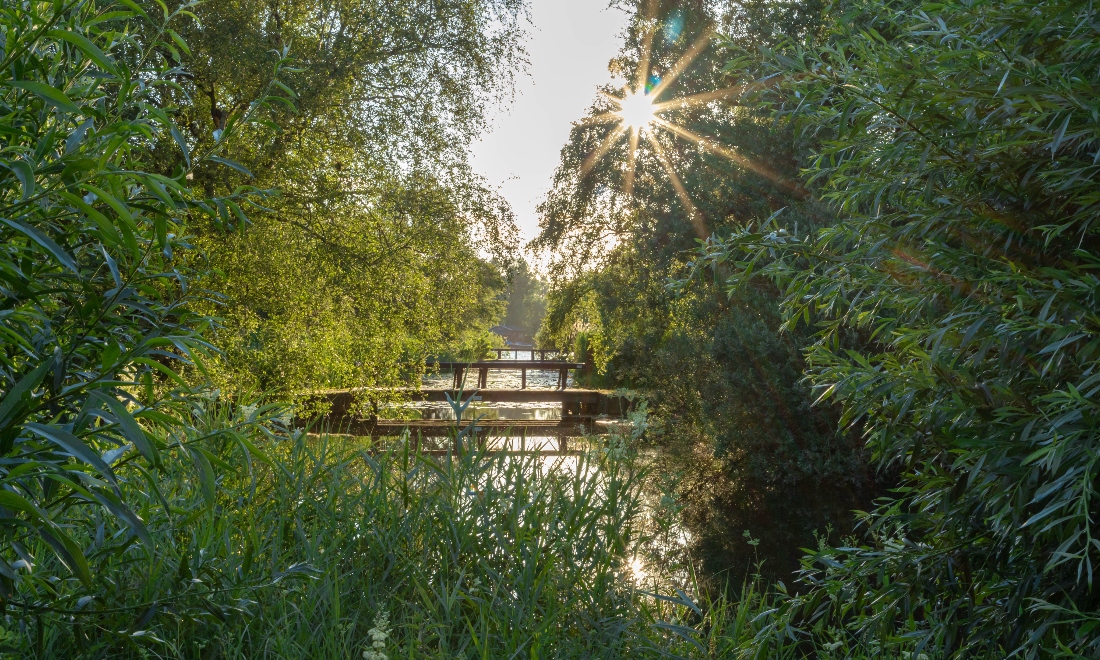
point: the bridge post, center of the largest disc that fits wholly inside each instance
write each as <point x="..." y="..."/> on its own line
<point x="523" y="378"/>
<point x="483" y="378"/>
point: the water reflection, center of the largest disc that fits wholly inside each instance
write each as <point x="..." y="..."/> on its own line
<point x="499" y="379"/>
<point x="499" y="410"/>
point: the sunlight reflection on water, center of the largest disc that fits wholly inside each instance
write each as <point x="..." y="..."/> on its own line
<point x="497" y="410"/>
<point x="540" y="379"/>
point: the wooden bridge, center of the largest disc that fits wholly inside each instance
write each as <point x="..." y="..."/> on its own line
<point x="459" y="369"/>
<point x="583" y="411"/>
<point x="578" y="407"/>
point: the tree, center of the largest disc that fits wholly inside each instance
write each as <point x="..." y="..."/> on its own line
<point x="958" y="148"/>
<point x="370" y="255"/>
<point x="526" y="299"/>
<point x="729" y="412"/>
<point x="97" y="274"/>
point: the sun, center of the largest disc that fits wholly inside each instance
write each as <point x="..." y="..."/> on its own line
<point x="636" y="110"/>
<point x="638" y="113"/>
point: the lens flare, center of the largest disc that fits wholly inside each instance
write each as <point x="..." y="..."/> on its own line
<point x="636" y="110"/>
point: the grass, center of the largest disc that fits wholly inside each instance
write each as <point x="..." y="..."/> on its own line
<point x="327" y="550"/>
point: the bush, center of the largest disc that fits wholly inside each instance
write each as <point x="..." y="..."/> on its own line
<point x="318" y="541"/>
<point x="958" y="145"/>
<point x="95" y="274"/>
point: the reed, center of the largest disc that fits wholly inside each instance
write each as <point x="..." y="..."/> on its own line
<point x="321" y="546"/>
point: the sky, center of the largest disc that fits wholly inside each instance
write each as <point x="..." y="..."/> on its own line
<point x="571" y="42"/>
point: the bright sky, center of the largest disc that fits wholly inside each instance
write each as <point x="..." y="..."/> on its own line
<point x="571" y="44"/>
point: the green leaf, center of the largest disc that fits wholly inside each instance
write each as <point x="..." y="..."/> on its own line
<point x="283" y="87"/>
<point x="162" y="369"/>
<point x="206" y="475"/>
<point x="77" y="136"/>
<point x="232" y="163"/>
<point x="108" y="229"/>
<point x="158" y="190"/>
<point x="25" y="385"/>
<point x="74" y="447"/>
<point x="64" y="547"/>
<point x="1059" y="135"/>
<point x="131" y="430"/>
<point x="112" y="265"/>
<point x="118" y="206"/>
<point x="252" y="449"/>
<point x="68" y="552"/>
<point x="133" y="5"/>
<point x="90" y="49"/>
<point x="178" y="137"/>
<point x="17" y="502"/>
<point x="46" y="242"/>
<point x="123" y="512"/>
<point x="688" y="634"/>
<point x="51" y="95"/>
<point x="179" y="41"/>
<point x="214" y="460"/>
<point x="25" y="173"/>
<point x="109" y="16"/>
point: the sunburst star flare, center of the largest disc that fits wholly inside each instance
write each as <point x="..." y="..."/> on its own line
<point x="637" y="110"/>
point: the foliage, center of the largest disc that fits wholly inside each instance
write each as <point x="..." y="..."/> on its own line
<point x="731" y="420"/>
<point x="526" y="294"/>
<point x="958" y="145"/>
<point x="97" y="319"/>
<point x="143" y="516"/>
<point x="370" y="257"/>
<point x="465" y="555"/>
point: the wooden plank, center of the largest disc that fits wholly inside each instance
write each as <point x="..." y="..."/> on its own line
<point x="510" y="452"/>
<point x="579" y="403"/>
<point x="540" y="351"/>
<point x="537" y="365"/>
<point x="547" y="395"/>
<point x="436" y="428"/>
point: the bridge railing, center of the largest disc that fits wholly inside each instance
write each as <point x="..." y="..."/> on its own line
<point x="534" y="353"/>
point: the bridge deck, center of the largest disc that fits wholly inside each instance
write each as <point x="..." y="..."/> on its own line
<point x="485" y="395"/>
<point x="438" y="428"/>
<point x="584" y="411"/>
<point x="583" y="405"/>
<point x="534" y="365"/>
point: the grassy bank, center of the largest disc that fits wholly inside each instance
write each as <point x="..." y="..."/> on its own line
<point x="311" y="546"/>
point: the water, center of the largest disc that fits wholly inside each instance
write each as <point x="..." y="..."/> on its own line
<point x="537" y="379"/>
<point x="501" y="380"/>
<point x="534" y="410"/>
